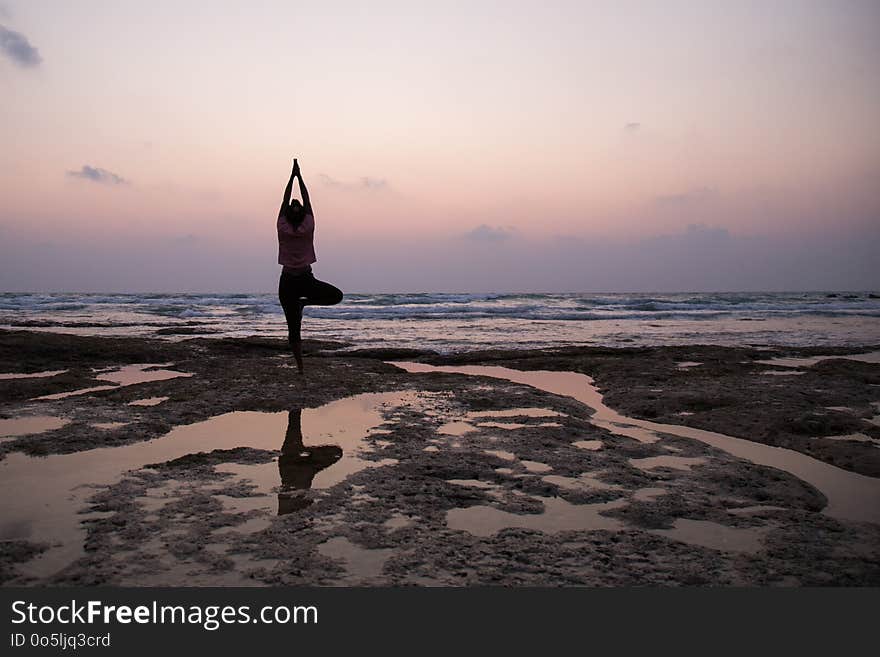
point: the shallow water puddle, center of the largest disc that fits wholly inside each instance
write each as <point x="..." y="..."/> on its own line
<point x="30" y="424"/>
<point x="127" y="375"/>
<point x="35" y="375"/>
<point x="558" y="516"/>
<point x="649" y="494"/>
<point x="156" y="497"/>
<point x="516" y="412"/>
<point x="149" y="401"/>
<point x="715" y="536"/>
<point x="855" y="437"/>
<point x="361" y="564"/>
<point x="41" y="497"/>
<point x="515" y="425"/>
<point x="73" y="393"/>
<point x="869" y="357"/>
<point x="471" y="483"/>
<point x="501" y="453"/>
<point x="460" y="428"/>
<point x="245" y="504"/>
<point x="456" y="428"/>
<point x="850" y="496"/>
<point x="584" y="482"/>
<point x="249" y="526"/>
<point x="628" y="431"/>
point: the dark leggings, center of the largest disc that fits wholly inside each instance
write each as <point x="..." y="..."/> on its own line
<point x="298" y="290"/>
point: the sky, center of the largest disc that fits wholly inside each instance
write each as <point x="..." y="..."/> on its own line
<point x="460" y="146"/>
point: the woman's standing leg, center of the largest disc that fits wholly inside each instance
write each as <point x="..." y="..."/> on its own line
<point x="318" y="293"/>
<point x="289" y="293"/>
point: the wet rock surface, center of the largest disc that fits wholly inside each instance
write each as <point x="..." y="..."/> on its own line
<point x="257" y="516"/>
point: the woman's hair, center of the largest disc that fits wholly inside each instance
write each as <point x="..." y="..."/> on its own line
<point x="295" y="213"/>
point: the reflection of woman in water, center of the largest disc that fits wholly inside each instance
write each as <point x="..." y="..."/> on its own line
<point x="296" y="252"/>
<point x="299" y="464"/>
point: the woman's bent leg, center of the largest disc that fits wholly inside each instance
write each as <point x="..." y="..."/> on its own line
<point x="319" y="293"/>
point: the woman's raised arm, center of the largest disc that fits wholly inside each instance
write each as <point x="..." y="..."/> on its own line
<point x="287" y="191"/>
<point x="307" y="204"/>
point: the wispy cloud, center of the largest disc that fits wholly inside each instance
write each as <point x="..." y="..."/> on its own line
<point x="327" y="180"/>
<point x="16" y="46"/>
<point x="487" y="233"/>
<point x="374" y="183"/>
<point x="632" y="127"/>
<point x="97" y="175"/>
<point x="362" y="183"/>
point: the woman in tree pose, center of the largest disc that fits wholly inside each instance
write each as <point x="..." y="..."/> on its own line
<point x="296" y="253"/>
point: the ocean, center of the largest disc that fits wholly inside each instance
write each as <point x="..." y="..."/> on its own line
<point x="455" y="322"/>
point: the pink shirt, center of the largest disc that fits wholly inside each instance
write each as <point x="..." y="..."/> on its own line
<point x="296" y="246"/>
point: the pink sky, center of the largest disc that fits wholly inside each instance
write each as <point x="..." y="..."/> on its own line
<point x="479" y="134"/>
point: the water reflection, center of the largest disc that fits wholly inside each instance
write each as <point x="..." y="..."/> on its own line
<point x="298" y="465"/>
<point x="42" y="498"/>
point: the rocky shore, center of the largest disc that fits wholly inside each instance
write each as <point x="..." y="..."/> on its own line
<point x="212" y="462"/>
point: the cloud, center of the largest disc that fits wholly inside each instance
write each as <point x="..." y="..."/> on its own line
<point x="698" y="195"/>
<point x="363" y="183"/>
<point x="374" y="183"/>
<point x="486" y="233"/>
<point x="98" y="175"/>
<point x="330" y="182"/>
<point x="16" y="46"/>
<point x="632" y="127"/>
